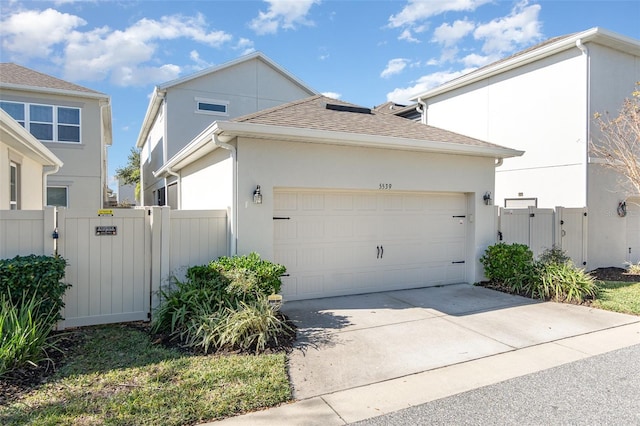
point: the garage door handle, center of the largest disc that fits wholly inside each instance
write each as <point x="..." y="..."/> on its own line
<point x="378" y="255"/>
<point x="381" y="252"/>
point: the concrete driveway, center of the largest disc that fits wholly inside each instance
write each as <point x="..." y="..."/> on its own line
<point x="352" y="341"/>
<point x="359" y="357"/>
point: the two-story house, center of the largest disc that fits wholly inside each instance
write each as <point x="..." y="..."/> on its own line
<point x="25" y="164"/>
<point x="180" y="109"/>
<point x="542" y="100"/>
<point x="71" y="121"/>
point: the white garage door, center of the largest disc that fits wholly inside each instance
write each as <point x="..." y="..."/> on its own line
<point x="337" y="242"/>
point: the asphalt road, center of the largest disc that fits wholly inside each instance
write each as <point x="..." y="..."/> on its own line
<point x="601" y="390"/>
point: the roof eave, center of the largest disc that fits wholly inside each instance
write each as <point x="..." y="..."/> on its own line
<point x="53" y="91"/>
<point x="150" y="116"/>
<point x="202" y="143"/>
<point x="607" y="38"/>
<point x="263" y="131"/>
<point x="34" y="147"/>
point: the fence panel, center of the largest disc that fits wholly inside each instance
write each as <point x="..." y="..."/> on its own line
<point x="633" y="230"/>
<point x="514" y="226"/>
<point x="24" y="232"/>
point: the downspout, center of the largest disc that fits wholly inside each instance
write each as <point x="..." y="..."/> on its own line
<point x="179" y="184"/>
<point x="233" y="246"/>
<point x="499" y="162"/>
<point x="422" y="109"/>
<point x="44" y="183"/>
<point x="587" y="130"/>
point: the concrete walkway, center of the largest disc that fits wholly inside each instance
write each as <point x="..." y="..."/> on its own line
<point x="359" y="357"/>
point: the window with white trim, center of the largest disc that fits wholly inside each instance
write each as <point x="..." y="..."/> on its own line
<point x="48" y="123"/>
<point x="58" y="196"/>
<point x="212" y="106"/>
<point x="14" y="183"/>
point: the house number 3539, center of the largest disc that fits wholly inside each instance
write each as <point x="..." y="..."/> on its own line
<point x="385" y="186"/>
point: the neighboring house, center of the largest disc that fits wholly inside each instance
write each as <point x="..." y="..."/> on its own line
<point x="25" y="164"/>
<point x="180" y="109"/>
<point x="543" y="100"/>
<point x="405" y="111"/>
<point x="349" y="200"/>
<point x="73" y="122"/>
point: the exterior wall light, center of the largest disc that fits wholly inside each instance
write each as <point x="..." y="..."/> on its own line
<point x="487" y="198"/>
<point x="257" y="196"/>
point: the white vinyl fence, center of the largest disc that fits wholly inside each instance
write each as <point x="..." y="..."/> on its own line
<point x="541" y="229"/>
<point x="117" y="259"/>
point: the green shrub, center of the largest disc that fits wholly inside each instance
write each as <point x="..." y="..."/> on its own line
<point x="509" y="264"/>
<point x="197" y="311"/>
<point x="252" y="326"/>
<point x="35" y="277"/>
<point x="554" y="255"/>
<point x="24" y="329"/>
<point x="255" y="277"/>
<point x="562" y="282"/>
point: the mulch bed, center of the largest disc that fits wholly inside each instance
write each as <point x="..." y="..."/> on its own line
<point x="614" y="274"/>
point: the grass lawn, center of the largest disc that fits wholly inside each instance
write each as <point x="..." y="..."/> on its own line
<point x="118" y="377"/>
<point x="618" y="296"/>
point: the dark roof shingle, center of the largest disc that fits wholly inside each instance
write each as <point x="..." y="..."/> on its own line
<point x="11" y="73"/>
<point x="312" y="113"/>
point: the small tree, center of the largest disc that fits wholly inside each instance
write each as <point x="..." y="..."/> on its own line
<point x="619" y="141"/>
<point x="130" y="174"/>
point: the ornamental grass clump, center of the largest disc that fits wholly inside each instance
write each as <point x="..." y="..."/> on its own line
<point x="24" y="333"/>
<point x="224" y="305"/>
<point x="552" y="276"/>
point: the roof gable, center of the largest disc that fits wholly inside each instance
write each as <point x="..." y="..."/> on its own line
<point x="16" y="75"/>
<point x="231" y="64"/>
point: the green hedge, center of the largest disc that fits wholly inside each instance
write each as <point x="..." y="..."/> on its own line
<point x="39" y="277"/>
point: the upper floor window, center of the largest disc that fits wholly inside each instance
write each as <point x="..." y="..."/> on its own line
<point x="48" y="123"/>
<point x="212" y="106"/>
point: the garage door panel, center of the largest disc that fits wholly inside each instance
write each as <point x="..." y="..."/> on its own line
<point x="333" y="242"/>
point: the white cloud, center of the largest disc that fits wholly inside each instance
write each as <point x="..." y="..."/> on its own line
<point x="394" y="66"/>
<point x="282" y="14"/>
<point x="35" y="33"/>
<point x="505" y="34"/>
<point x="127" y="57"/>
<point x="474" y="60"/>
<point x="419" y="10"/>
<point x="332" y="95"/>
<point x="449" y="34"/>
<point x="403" y="95"/>
<point x="245" y="45"/>
<point x="407" y="35"/>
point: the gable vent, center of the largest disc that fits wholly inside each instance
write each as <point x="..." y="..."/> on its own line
<point x="347" y="108"/>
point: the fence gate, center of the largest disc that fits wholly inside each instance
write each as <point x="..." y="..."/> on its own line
<point x="111" y="263"/>
<point x="541" y="229"/>
<point x="530" y="226"/>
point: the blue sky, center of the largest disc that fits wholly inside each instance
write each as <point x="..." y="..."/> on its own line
<point x="362" y="51"/>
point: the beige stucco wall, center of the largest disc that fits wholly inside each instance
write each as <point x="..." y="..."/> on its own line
<point x="275" y="164"/>
<point x="30" y="179"/>
<point x="82" y="161"/>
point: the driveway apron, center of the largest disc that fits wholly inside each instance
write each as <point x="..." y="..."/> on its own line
<point x="351" y="341"/>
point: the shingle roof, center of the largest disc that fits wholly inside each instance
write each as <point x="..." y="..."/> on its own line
<point x="312" y="113"/>
<point x="11" y="73"/>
